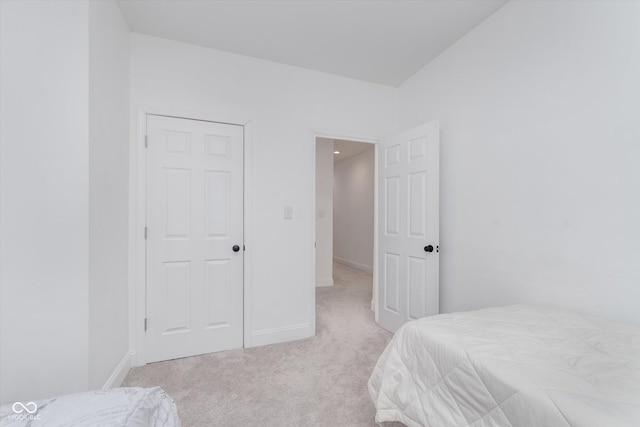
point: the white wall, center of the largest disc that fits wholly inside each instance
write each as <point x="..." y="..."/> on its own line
<point x="108" y="189"/>
<point x="540" y="176"/>
<point x="44" y="195"/>
<point x="285" y="106"/>
<point x="353" y="210"/>
<point x="324" y="212"/>
<point x="64" y="175"/>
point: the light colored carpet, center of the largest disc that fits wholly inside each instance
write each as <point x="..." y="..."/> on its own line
<point x="320" y="381"/>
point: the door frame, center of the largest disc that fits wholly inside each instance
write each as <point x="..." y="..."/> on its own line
<point x="138" y="214"/>
<point x="312" y="232"/>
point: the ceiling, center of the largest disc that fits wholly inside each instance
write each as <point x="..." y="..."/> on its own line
<point x="348" y="149"/>
<point x="383" y="41"/>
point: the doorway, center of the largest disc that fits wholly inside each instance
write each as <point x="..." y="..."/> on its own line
<point x="345" y="214"/>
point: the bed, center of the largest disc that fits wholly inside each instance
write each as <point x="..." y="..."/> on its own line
<point x="520" y="366"/>
<point x="130" y="407"/>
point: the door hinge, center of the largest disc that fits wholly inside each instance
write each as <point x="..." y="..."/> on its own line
<point x="145" y="233"/>
<point x="145" y="324"/>
<point x="146" y="141"/>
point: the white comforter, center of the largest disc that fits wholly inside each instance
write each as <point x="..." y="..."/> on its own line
<point x="118" y="407"/>
<point x="514" y="366"/>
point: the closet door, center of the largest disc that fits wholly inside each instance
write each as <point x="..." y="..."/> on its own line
<point x="194" y="237"/>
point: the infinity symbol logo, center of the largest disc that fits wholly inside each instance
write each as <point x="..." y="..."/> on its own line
<point x="20" y="407"/>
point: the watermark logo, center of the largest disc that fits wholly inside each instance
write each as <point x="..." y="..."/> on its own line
<point x="24" y="411"/>
<point x="20" y="407"/>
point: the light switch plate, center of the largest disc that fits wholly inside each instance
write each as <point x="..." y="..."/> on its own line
<point x="288" y="212"/>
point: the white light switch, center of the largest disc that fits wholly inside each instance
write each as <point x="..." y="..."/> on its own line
<point x="321" y="213"/>
<point x="288" y="212"/>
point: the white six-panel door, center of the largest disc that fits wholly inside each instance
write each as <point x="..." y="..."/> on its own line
<point x="194" y="220"/>
<point x="408" y="226"/>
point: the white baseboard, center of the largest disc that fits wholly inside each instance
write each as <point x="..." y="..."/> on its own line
<point x="121" y="371"/>
<point x="323" y="283"/>
<point x="278" y="335"/>
<point x="365" y="268"/>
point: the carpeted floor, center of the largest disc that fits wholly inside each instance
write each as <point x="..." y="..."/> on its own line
<point x="320" y="381"/>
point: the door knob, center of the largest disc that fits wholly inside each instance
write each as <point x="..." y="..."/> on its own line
<point x="428" y="248"/>
<point x="236" y="248"/>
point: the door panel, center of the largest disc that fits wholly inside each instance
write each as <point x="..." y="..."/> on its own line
<point x="392" y="217"/>
<point x="194" y="218"/>
<point x="176" y="202"/>
<point x="408" y="223"/>
<point x="218" y="290"/>
<point x="217" y="206"/>
<point x="418" y="205"/>
<point x="392" y="282"/>
<point x="176" y="281"/>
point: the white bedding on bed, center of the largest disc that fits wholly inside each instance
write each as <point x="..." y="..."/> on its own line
<point x="520" y="366"/>
<point x="130" y="407"/>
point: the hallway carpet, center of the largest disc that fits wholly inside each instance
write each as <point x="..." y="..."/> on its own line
<point x="320" y="381"/>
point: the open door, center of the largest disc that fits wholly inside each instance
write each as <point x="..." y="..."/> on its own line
<point x="408" y="221"/>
